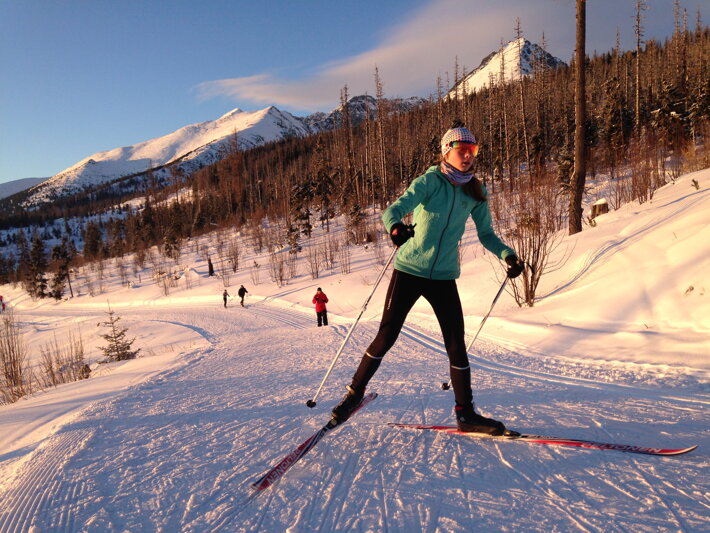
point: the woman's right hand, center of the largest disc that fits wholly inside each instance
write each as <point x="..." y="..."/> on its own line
<point x="401" y="233"/>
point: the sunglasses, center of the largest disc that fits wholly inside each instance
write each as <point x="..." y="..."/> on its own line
<point x="460" y="145"/>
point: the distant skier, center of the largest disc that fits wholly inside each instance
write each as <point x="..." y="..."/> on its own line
<point x="320" y="299"/>
<point x="242" y="292"/>
<point x="225" y="295"/>
<point x="443" y="199"/>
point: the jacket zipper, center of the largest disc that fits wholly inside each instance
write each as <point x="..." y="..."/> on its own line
<point x="443" y="232"/>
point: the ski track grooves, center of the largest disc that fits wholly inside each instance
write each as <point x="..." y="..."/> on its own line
<point x="289" y="318"/>
<point x="38" y="491"/>
<point x="682" y="526"/>
<point x="501" y="368"/>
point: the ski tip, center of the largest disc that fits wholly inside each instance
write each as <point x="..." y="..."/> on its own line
<point x="680" y="452"/>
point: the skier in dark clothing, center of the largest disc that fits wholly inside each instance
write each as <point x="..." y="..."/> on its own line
<point x="427" y="265"/>
<point x="225" y="295"/>
<point x="242" y="292"/>
<point x="320" y="299"/>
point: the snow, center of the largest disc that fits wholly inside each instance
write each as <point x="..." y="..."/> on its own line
<point x="616" y="350"/>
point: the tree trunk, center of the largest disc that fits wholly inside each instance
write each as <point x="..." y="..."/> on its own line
<point x="580" y="163"/>
<point x="521" y="94"/>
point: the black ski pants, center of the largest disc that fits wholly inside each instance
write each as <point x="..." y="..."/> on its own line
<point x="443" y="295"/>
<point x="322" y="317"/>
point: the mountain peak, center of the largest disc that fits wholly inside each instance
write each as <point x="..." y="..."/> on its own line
<point x="230" y="114"/>
<point x="513" y="60"/>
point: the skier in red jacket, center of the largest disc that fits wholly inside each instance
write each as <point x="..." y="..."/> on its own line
<point x="320" y="299"/>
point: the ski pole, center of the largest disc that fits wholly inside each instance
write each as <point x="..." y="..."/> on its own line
<point x="447" y="385"/>
<point x="312" y="402"/>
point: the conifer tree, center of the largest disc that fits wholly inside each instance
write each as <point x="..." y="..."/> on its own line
<point x="119" y="348"/>
<point x="62" y="257"/>
<point x="7" y="265"/>
<point x="35" y="281"/>
<point x="93" y="241"/>
<point x="23" y="255"/>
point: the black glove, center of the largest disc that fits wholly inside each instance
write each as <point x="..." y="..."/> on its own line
<point x="401" y="233"/>
<point x="515" y="266"/>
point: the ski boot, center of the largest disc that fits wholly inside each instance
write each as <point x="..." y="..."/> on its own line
<point x="347" y="405"/>
<point x="469" y="421"/>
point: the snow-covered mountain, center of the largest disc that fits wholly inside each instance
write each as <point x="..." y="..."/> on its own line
<point x="359" y="108"/>
<point x="192" y="146"/>
<point x="516" y="59"/>
<point x="197" y="145"/>
<point x="11" y="187"/>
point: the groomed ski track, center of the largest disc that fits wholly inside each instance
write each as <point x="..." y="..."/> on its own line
<point x="177" y="451"/>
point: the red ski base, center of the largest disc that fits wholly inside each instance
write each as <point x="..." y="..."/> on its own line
<point x="277" y="472"/>
<point x="555" y="441"/>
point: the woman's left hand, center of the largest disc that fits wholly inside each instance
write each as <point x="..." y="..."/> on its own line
<point x="515" y="266"/>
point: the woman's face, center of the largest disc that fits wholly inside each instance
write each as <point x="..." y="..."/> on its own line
<point x="461" y="156"/>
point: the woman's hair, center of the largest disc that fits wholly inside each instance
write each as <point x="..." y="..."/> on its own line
<point x="474" y="189"/>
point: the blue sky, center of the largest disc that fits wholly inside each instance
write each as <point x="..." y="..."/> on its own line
<point x="82" y="76"/>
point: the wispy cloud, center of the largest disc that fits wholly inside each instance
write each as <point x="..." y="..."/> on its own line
<point x="426" y="45"/>
<point x="416" y="52"/>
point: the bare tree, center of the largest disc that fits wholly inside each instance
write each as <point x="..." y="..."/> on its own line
<point x="344" y="258"/>
<point x="254" y="272"/>
<point x="521" y="93"/>
<point x="16" y="377"/>
<point x="530" y="226"/>
<point x="234" y="252"/>
<point x="63" y="363"/>
<point x="330" y="248"/>
<point x="314" y="255"/>
<point x="277" y="268"/>
<point x="580" y="112"/>
<point x="122" y="271"/>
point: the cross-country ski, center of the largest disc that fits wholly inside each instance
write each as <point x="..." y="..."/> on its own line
<point x="278" y="470"/>
<point x="554" y="441"/>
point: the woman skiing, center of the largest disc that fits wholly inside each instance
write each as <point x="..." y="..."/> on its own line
<point x="427" y="265"/>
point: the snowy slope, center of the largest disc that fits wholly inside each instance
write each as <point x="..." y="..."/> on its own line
<point x="170" y="441"/>
<point x="194" y="142"/>
<point x="11" y="187"/>
<point x="514" y="60"/>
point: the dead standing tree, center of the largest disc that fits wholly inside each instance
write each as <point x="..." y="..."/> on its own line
<point x="580" y="111"/>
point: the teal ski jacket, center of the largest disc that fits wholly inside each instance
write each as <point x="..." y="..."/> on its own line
<point x="440" y="214"/>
